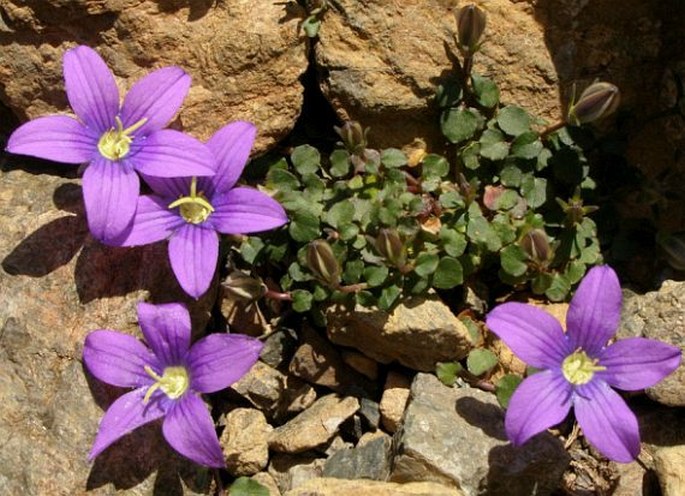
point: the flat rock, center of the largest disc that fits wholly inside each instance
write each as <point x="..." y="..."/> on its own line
<point x="417" y="333"/>
<point x="382" y="61"/>
<point x="244" y="441"/>
<point x="394" y="400"/>
<point x="58" y="284"/>
<point x="370" y="461"/>
<point x="317" y="425"/>
<point x="291" y="471"/>
<point x="659" y="315"/>
<point x="243" y="66"/>
<point x="456" y="437"/>
<point x="338" y="487"/>
<point x="669" y="463"/>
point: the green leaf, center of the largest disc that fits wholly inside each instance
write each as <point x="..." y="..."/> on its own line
<point x="511" y="176"/>
<point x="340" y="214"/>
<point x="388" y="297"/>
<point x="449" y="94"/>
<point x="251" y="248"/>
<point x="453" y="242"/>
<point x="474" y="331"/>
<point x="426" y="263"/>
<point x="306" y="159"/>
<point x="448" y="274"/>
<point x="281" y="180"/>
<point x="447" y="372"/>
<point x="435" y="166"/>
<point x="297" y="274"/>
<point x="513" y="120"/>
<point x="348" y="231"/>
<point x="340" y="163"/>
<point x="302" y="300"/>
<point x="493" y="145"/>
<point x="244" y="486"/>
<point x="507" y="200"/>
<point x="313" y="187"/>
<point x="486" y="91"/>
<point x="451" y="199"/>
<point x="480" y="231"/>
<point x="514" y="260"/>
<point x="575" y="271"/>
<point x="311" y="26"/>
<point x="541" y="283"/>
<point x="559" y="288"/>
<point x="534" y="190"/>
<point x="526" y="146"/>
<point x="470" y="155"/>
<point x="353" y="271"/>
<point x="392" y="157"/>
<point x="459" y="124"/>
<point x="375" y="276"/>
<point x="505" y="387"/>
<point x="480" y="361"/>
<point x="304" y="227"/>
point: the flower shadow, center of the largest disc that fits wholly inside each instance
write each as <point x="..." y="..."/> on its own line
<point x="130" y="461"/>
<point x="197" y="8"/>
<point x="489" y="418"/>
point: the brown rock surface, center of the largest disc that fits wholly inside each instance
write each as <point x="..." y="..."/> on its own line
<point x="339" y="487"/>
<point x="394" y="400"/>
<point x="669" y="462"/>
<point x="244" y="66"/>
<point x="245" y="441"/>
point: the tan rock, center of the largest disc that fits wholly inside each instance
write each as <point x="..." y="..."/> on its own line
<point x="669" y="463"/>
<point x="244" y="66"/>
<point x="417" y="333"/>
<point x="394" y="400"/>
<point x="244" y="441"/>
<point x="361" y="363"/>
<point x="266" y="480"/>
<point x="315" y="426"/>
<point x="341" y="487"/>
<point x="367" y="437"/>
<point x="382" y="62"/>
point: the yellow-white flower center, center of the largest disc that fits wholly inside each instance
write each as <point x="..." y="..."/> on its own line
<point x="116" y="143"/>
<point x="174" y="382"/>
<point x="194" y="208"/>
<point x="578" y="368"/>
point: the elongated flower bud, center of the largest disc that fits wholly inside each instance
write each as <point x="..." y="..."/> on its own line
<point x="470" y="27"/>
<point x="322" y="263"/>
<point x="596" y="102"/>
<point x="244" y="286"/>
<point x="353" y="136"/>
<point x="536" y="245"/>
<point x="389" y="244"/>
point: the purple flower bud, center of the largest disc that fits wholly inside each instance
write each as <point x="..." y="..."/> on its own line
<point x="596" y="102"/>
<point x="244" y="286"/>
<point x="470" y="27"/>
<point x="389" y="244"/>
<point x="353" y="136"/>
<point x="536" y="245"/>
<point x="322" y="263"/>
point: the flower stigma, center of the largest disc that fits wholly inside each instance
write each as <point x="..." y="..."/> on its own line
<point x="578" y="368"/>
<point x="116" y="143"/>
<point x="174" y="382"/>
<point x="194" y="208"/>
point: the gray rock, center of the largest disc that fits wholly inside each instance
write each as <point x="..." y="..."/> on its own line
<point x="370" y="461"/>
<point x="315" y="426"/>
<point x="456" y="437"/>
<point x="369" y="412"/>
<point x="659" y="315"/>
<point x="244" y="441"/>
<point x="417" y="333"/>
<point x="274" y="393"/>
<point x="279" y="348"/>
<point x="290" y="471"/>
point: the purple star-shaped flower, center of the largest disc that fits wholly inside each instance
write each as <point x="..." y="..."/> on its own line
<point x="579" y="369"/>
<point x="167" y="378"/>
<point x="115" y="140"/>
<point x="191" y="212"/>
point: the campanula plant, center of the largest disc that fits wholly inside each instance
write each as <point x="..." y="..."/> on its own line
<point x="191" y="212"/>
<point x="579" y="368"/>
<point x="115" y="140"/>
<point x="167" y="375"/>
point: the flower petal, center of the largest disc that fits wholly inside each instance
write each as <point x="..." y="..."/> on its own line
<point x="532" y="334"/>
<point x="189" y="429"/>
<point x="171" y="187"/>
<point x="194" y="252"/>
<point x="157" y="97"/>
<point x="152" y="222"/>
<point x="118" y="359"/>
<point x="607" y="422"/>
<point x="126" y="414"/>
<point x="637" y="363"/>
<point x="595" y="310"/>
<point x="246" y="210"/>
<point x="231" y="147"/>
<point x="110" y="193"/>
<point x="167" y="331"/>
<point x="91" y="88"/>
<point x="541" y="401"/>
<point x="169" y="153"/>
<point x="56" y="137"/>
<point x="218" y="360"/>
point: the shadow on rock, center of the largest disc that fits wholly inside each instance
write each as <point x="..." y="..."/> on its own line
<point x="198" y="8"/>
<point x="488" y="418"/>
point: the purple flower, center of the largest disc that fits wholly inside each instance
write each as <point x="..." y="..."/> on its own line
<point x="191" y="212"/>
<point x="167" y="378"/>
<point x="579" y="369"/>
<point x="115" y="140"/>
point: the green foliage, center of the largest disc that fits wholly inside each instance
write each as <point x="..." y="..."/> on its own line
<point x="448" y="372"/>
<point x="244" y="486"/>
<point x="505" y="387"/>
<point x="480" y="361"/>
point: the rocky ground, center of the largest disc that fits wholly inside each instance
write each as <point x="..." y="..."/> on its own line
<point x="354" y="410"/>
